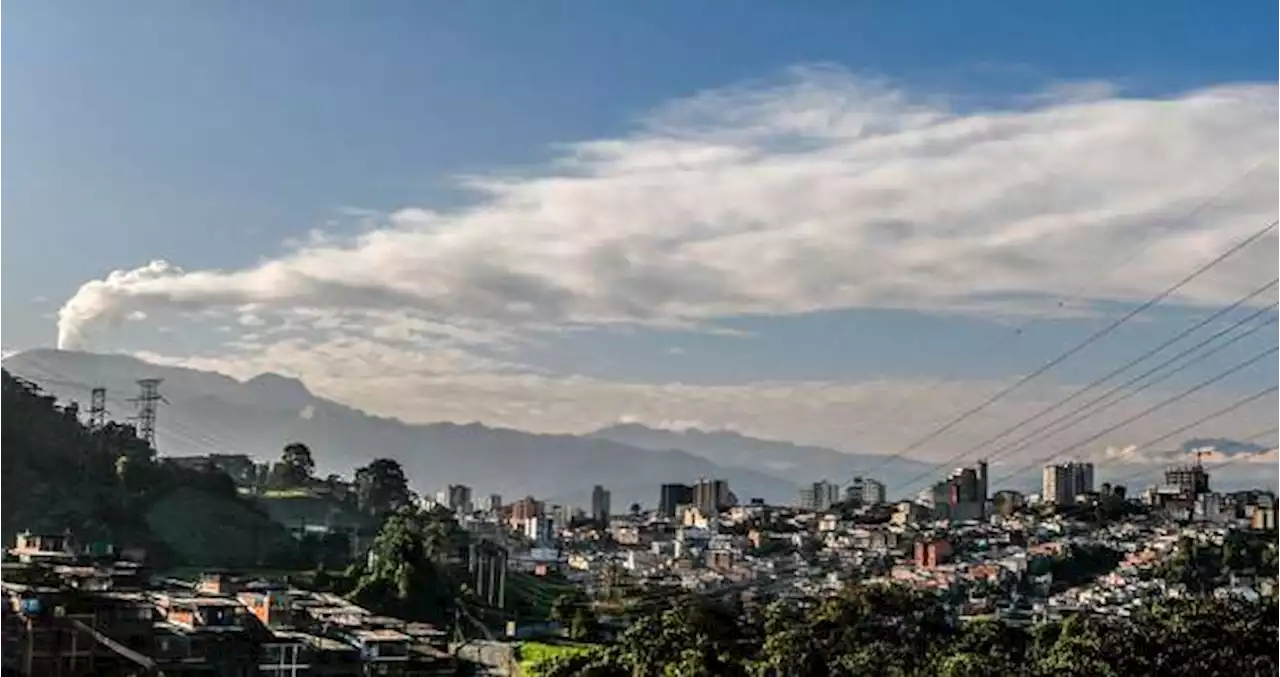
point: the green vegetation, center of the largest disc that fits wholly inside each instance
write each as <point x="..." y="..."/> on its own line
<point x="532" y="597"/>
<point x="381" y="487"/>
<point x="535" y="657"/>
<point x="1201" y="567"/>
<point x="218" y="531"/>
<point x="411" y="571"/>
<point x="883" y="630"/>
<point x="107" y="485"/>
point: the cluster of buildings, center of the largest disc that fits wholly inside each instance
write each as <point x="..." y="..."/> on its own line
<point x="961" y="497"/>
<point x="71" y="612"/>
<point x="823" y="495"/>
<point x="1062" y="483"/>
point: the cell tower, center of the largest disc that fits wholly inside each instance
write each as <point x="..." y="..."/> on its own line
<point x="97" y="408"/>
<point x="148" y="400"/>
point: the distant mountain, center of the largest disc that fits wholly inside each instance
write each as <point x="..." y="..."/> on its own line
<point x="792" y="462"/>
<point x="207" y="412"/>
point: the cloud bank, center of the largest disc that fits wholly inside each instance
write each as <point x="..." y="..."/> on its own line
<point x="820" y="191"/>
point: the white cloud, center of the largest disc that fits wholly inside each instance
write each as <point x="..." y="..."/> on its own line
<point x="136" y="316"/>
<point x="822" y="191"/>
<point x="451" y="384"/>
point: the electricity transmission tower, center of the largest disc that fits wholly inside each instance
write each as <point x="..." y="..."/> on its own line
<point x="148" y="401"/>
<point x="97" y="408"/>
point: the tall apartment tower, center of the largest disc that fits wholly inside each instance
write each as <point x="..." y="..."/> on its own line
<point x="1061" y="483"/>
<point x="674" y="495"/>
<point x="709" y="496"/>
<point x="600" y="504"/>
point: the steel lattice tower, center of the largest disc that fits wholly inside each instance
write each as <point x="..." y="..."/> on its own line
<point x="148" y="401"/>
<point x="97" y="408"/>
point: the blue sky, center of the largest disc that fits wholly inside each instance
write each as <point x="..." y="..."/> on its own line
<point x="218" y="136"/>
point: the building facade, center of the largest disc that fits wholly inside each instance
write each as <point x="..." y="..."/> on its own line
<point x="600" y="499"/>
<point x="672" y="497"/>
<point x="1062" y="482"/>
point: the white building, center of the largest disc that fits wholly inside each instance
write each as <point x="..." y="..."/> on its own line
<point x="540" y="529"/>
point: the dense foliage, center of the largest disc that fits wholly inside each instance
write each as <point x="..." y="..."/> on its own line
<point x="412" y="567"/>
<point x="879" y="630"/>
<point x="107" y="485"/>
<point x="1202" y="566"/>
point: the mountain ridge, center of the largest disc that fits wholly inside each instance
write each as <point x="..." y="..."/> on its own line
<point x="208" y="412"/>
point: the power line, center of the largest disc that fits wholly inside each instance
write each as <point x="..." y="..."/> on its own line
<point x="1071" y="417"/>
<point x="1149" y="410"/>
<point x="1091" y="339"/>
<point x="1249" y="438"/>
<point x="1078" y="292"/>
<point x="1121" y="369"/>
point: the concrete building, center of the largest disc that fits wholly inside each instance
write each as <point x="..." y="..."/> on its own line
<point x="819" y="496"/>
<point x="711" y="496"/>
<point x="930" y="553"/>
<point x="457" y="498"/>
<point x="864" y="491"/>
<point x="1191" y="480"/>
<point x="672" y="497"/>
<point x="541" y="529"/>
<point x="600" y="498"/>
<point x="1062" y="482"/>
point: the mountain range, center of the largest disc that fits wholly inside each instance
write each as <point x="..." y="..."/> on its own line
<point x="206" y="412"/>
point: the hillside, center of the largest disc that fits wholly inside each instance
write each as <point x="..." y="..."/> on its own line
<point x="208" y="412"/>
<point x="105" y="485"/>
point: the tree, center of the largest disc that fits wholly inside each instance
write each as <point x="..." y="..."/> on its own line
<point x="381" y="487"/>
<point x="295" y="467"/>
<point x="408" y="574"/>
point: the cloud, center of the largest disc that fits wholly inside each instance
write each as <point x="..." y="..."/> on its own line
<point x="823" y="190"/>
<point x="250" y="320"/>
<point x="452" y="384"/>
<point x="1209" y="452"/>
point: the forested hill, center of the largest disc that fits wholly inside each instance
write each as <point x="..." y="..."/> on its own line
<point x="107" y="485"/>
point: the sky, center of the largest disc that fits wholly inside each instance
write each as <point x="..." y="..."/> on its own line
<point x="837" y="223"/>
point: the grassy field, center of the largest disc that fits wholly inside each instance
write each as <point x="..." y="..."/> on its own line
<point x="534" y="653"/>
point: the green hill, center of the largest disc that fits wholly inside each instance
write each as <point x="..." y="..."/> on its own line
<point x="107" y="485"/>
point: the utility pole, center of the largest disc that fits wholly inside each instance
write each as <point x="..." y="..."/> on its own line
<point x="148" y="401"/>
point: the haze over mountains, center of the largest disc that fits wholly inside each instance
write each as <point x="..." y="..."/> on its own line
<point x="206" y="412"/>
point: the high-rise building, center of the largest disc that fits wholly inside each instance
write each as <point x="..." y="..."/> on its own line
<point x="525" y="508"/>
<point x="673" y="496"/>
<point x="1062" y="482"/>
<point x="864" y="491"/>
<point x="541" y="529"/>
<point x="1191" y="480"/>
<point x="873" y="492"/>
<point x="983" y="489"/>
<point x="458" y="498"/>
<point x="710" y="496"/>
<point x="1055" y="485"/>
<point x="820" y="495"/>
<point x="600" y="504"/>
<point x="493" y="504"/>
